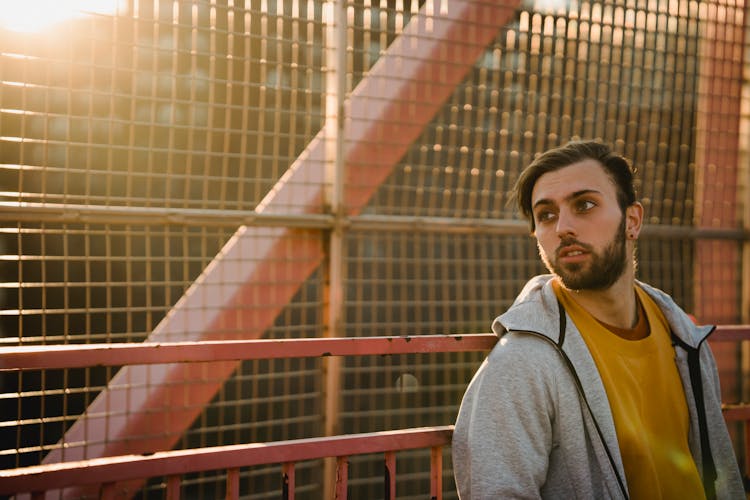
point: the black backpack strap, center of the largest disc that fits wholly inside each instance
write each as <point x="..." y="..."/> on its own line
<point x="696" y="382"/>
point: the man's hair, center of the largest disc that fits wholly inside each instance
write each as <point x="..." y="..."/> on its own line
<point x="617" y="167"/>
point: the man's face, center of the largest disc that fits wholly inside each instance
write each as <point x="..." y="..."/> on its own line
<point x="580" y="228"/>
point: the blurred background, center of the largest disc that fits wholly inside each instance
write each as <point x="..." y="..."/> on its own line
<point x="233" y="169"/>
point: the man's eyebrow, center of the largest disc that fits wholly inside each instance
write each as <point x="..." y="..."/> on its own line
<point x="571" y="196"/>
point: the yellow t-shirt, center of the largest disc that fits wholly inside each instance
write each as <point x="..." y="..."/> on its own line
<point x="647" y="401"/>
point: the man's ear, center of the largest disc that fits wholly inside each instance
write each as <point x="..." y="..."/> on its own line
<point x="633" y="220"/>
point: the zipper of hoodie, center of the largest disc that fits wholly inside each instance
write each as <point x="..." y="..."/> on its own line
<point x="579" y="387"/>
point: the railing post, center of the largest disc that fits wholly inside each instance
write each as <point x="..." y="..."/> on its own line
<point x="436" y="473"/>
<point x="390" y="475"/>
<point x="287" y="488"/>
<point x="342" y="477"/>
<point x="173" y="488"/>
<point x="233" y="484"/>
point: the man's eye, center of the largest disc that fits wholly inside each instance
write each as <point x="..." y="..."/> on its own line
<point x="585" y="205"/>
<point x="545" y="216"/>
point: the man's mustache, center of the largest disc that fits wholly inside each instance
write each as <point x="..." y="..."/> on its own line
<point x="572" y="242"/>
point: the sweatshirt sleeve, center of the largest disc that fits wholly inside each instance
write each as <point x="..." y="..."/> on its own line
<point x="504" y="431"/>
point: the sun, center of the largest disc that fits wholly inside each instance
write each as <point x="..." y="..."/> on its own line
<point x="33" y="16"/>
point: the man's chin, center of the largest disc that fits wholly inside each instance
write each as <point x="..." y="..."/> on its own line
<point x="570" y="272"/>
<point x="577" y="281"/>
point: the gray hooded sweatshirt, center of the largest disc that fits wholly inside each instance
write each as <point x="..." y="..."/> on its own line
<point x="535" y="421"/>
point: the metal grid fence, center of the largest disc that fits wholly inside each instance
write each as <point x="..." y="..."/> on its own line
<point x="203" y="169"/>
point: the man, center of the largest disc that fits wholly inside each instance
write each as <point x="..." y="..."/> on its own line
<point x="600" y="386"/>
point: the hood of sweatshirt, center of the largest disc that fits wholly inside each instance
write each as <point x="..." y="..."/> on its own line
<point x="535" y="309"/>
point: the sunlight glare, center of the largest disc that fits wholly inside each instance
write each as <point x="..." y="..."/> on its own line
<point x="550" y="6"/>
<point x="31" y="16"/>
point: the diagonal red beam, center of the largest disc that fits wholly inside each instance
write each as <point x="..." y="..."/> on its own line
<point x="245" y="287"/>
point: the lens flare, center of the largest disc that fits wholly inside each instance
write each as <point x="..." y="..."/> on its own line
<point x="35" y="16"/>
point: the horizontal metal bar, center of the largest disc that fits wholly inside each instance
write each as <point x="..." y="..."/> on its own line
<point x="694" y="233"/>
<point x="460" y="225"/>
<point x="731" y="333"/>
<point x="100" y="214"/>
<point x="736" y="412"/>
<point x="517" y="227"/>
<point x="171" y="463"/>
<point x="118" y="354"/>
<point x="86" y="355"/>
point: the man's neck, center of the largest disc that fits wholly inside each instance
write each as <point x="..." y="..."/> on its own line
<point x="616" y="306"/>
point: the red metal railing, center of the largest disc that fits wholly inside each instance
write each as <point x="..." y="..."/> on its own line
<point x="109" y="472"/>
<point x="82" y="355"/>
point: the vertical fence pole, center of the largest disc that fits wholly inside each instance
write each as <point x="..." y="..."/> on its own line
<point x="744" y="173"/>
<point x="717" y="265"/>
<point x="233" y="484"/>
<point x="390" y="475"/>
<point x="334" y="190"/>
<point x="287" y="488"/>
<point x="173" y="488"/>
<point x="342" y="477"/>
<point x="717" y="160"/>
<point x="436" y="473"/>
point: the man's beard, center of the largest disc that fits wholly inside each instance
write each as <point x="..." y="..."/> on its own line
<point x="603" y="271"/>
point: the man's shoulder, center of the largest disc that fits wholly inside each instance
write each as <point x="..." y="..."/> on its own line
<point x="534" y="310"/>
<point x="524" y="356"/>
<point x="533" y="289"/>
<point x="523" y="345"/>
<point x="680" y="322"/>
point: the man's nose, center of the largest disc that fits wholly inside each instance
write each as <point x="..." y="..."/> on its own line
<point x="565" y="224"/>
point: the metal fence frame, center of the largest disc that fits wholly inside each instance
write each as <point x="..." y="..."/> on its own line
<point x="330" y="174"/>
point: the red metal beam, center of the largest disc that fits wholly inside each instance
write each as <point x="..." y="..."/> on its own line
<point x="112" y="470"/>
<point x="719" y="107"/>
<point x="736" y="412"/>
<point x="256" y="274"/>
<point x="731" y="333"/>
<point x="78" y="356"/>
<point x="718" y="263"/>
<point x="88" y="355"/>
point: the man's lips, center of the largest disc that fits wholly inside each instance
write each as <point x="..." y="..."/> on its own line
<point x="572" y="252"/>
